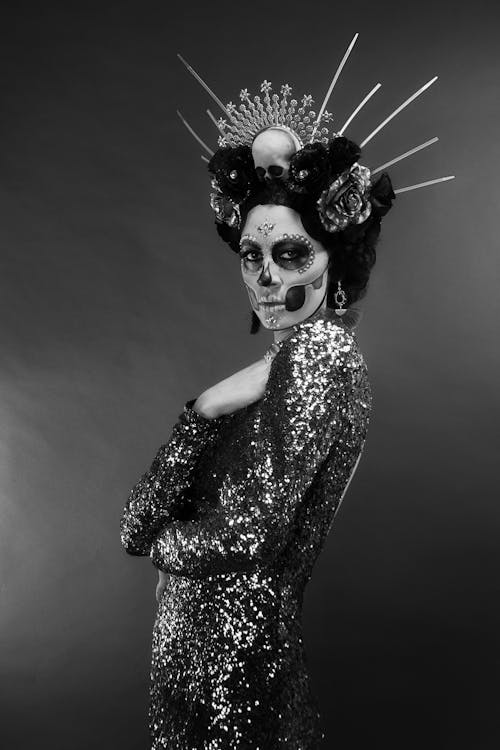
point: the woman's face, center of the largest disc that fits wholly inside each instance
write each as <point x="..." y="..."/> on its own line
<point x="284" y="270"/>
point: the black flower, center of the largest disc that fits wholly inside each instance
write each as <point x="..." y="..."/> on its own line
<point x="342" y="154"/>
<point x="233" y="168"/>
<point x="309" y="169"/>
<point x="382" y="195"/>
<point x="346" y="200"/>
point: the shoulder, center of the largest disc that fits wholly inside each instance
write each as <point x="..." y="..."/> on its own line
<point x="320" y="362"/>
<point x="318" y="373"/>
<point x="325" y="348"/>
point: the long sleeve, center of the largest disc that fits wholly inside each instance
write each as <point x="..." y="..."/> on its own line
<point x="306" y="408"/>
<point x="152" y="501"/>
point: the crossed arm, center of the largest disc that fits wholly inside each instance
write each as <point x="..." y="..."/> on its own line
<point x="302" y="414"/>
<point x="159" y="494"/>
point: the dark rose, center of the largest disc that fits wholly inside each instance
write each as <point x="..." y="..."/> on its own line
<point x="346" y="201"/>
<point x="309" y="170"/>
<point x="233" y="168"/>
<point x="342" y="154"/>
<point x="382" y="195"/>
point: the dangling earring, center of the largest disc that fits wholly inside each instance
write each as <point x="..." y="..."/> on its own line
<point x="340" y="299"/>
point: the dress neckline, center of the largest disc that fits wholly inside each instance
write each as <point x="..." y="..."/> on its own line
<point x="325" y="313"/>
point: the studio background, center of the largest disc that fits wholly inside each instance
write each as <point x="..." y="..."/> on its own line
<point x="118" y="303"/>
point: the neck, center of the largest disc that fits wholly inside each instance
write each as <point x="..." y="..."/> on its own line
<point x="284" y="333"/>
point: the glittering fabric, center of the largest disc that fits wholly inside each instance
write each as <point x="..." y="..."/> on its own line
<point x="236" y="510"/>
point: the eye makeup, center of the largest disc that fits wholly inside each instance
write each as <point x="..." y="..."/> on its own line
<point x="249" y="246"/>
<point x="249" y="239"/>
<point x="299" y="249"/>
<point x="292" y="252"/>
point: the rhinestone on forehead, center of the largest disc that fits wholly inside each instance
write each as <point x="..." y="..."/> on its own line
<point x="266" y="228"/>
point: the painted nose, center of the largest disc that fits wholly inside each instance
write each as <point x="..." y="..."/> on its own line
<point x="265" y="278"/>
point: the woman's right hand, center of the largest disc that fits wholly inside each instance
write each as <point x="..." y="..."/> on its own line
<point x="235" y="392"/>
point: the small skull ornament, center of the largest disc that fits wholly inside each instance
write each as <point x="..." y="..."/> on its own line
<point x="272" y="150"/>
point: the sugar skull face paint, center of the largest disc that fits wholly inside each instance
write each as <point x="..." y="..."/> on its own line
<point x="284" y="270"/>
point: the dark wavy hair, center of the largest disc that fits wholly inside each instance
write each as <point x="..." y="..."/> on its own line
<point x="351" y="250"/>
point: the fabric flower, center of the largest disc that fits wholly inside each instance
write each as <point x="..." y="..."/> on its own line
<point x="234" y="170"/>
<point x="346" y="200"/>
<point x="226" y="212"/>
<point x="342" y="154"/>
<point x="309" y="169"/>
<point x="382" y="195"/>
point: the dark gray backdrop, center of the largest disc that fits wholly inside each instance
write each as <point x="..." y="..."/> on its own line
<point x="118" y="303"/>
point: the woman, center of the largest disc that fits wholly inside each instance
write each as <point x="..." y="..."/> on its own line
<point x="236" y="506"/>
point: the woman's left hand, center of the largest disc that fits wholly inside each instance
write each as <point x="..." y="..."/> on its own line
<point x="160" y="587"/>
<point x="244" y="387"/>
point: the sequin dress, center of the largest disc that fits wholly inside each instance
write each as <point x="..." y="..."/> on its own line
<point x="236" y="510"/>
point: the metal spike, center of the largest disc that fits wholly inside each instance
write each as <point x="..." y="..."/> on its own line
<point x="207" y="88"/>
<point x="403" y="156"/>
<point x="359" y="108"/>
<point x="398" y="110"/>
<point x="214" y="120"/>
<point x="423" y="184"/>
<point x="334" y="81"/>
<point x="195" y="135"/>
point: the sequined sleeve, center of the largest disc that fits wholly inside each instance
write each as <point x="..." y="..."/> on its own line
<point x="305" y="410"/>
<point x="153" y="500"/>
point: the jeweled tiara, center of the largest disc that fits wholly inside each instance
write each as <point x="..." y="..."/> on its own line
<point x="252" y="116"/>
<point x="270" y="123"/>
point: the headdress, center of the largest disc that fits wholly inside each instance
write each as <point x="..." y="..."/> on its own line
<point x="275" y="138"/>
